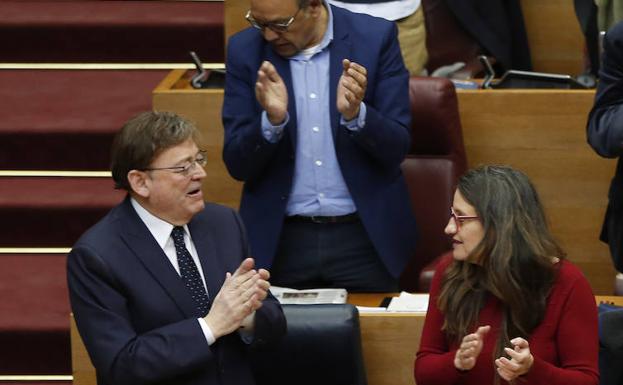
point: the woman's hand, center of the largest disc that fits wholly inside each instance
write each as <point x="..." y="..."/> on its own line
<point x="471" y="346"/>
<point x="520" y="362"/>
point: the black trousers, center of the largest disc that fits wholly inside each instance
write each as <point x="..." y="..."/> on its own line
<point x="329" y="255"/>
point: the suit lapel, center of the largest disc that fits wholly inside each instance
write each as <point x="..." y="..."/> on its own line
<point x="340" y="48"/>
<point x="143" y="245"/>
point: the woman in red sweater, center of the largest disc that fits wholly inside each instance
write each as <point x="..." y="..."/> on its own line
<point x="506" y="306"/>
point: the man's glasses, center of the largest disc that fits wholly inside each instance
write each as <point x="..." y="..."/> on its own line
<point x="200" y="160"/>
<point x="459" y="219"/>
<point x="275" y="26"/>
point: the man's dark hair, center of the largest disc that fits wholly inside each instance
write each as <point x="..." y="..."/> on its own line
<point x="142" y="138"/>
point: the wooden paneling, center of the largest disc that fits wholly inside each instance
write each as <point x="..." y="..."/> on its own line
<point x="82" y="368"/>
<point x="556" y="41"/>
<point x="235" y="10"/>
<point x="204" y="108"/>
<point x="389" y="343"/>
<point x="542" y="132"/>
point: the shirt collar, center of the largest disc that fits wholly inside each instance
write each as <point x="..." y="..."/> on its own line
<point x="159" y="229"/>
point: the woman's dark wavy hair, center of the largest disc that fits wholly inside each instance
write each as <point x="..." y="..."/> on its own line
<point x="513" y="262"/>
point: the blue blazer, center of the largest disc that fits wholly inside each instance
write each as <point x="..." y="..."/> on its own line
<point x="134" y="313"/>
<point x="369" y="159"/>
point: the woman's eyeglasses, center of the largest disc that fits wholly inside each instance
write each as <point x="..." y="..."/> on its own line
<point x="459" y="219"/>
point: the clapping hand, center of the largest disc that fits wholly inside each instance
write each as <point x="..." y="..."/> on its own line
<point x="520" y="362"/>
<point x="241" y="294"/>
<point x="471" y="346"/>
<point x="271" y="93"/>
<point x="351" y="89"/>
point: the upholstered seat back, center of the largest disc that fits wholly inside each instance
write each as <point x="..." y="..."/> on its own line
<point x="435" y="120"/>
<point x="322" y="347"/>
<point x="436" y="161"/>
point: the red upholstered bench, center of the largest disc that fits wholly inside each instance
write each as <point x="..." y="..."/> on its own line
<point x="52" y="211"/>
<point x="111" y="31"/>
<point x="65" y="120"/>
<point x="34" y="315"/>
<point x="434" y="164"/>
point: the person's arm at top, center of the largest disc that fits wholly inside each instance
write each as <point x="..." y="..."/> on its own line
<point x="605" y="122"/>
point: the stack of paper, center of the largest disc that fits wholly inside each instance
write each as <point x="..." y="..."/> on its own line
<point x="409" y="302"/>
<point x="306" y="297"/>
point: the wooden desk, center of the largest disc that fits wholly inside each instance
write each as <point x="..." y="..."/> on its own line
<point x="543" y="133"/>
<point x="389" y="343"/>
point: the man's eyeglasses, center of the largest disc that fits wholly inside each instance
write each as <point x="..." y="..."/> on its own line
<point x="459" y="219"/>
<point x="275" y="26"/>
<point x="200" y="160"/>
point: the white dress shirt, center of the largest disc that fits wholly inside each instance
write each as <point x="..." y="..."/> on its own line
<point x="161" y="231"/>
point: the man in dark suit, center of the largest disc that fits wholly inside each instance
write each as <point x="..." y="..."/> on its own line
<point x="138" y="278"/>
<point x="316" y="116"/>
<point x="605" y="135"/>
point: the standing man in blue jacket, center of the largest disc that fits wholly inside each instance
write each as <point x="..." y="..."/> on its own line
<point x="316" y="116"/>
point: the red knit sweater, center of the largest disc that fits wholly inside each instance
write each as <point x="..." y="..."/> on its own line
<point x="565" y="345"/>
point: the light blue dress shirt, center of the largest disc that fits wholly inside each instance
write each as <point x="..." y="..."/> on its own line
<point x="318" y="187"/>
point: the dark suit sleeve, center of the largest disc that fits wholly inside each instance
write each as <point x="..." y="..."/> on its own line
<point x="270" y="323"/>
<point x="385" y="135"/>
<point x="245" y="151"/>
<point x="605" y="124"/>
<point x="122" y="356"/>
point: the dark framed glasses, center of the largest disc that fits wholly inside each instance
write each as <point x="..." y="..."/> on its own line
<point x="186" y="169"/>
<point x="279" y="26"/>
